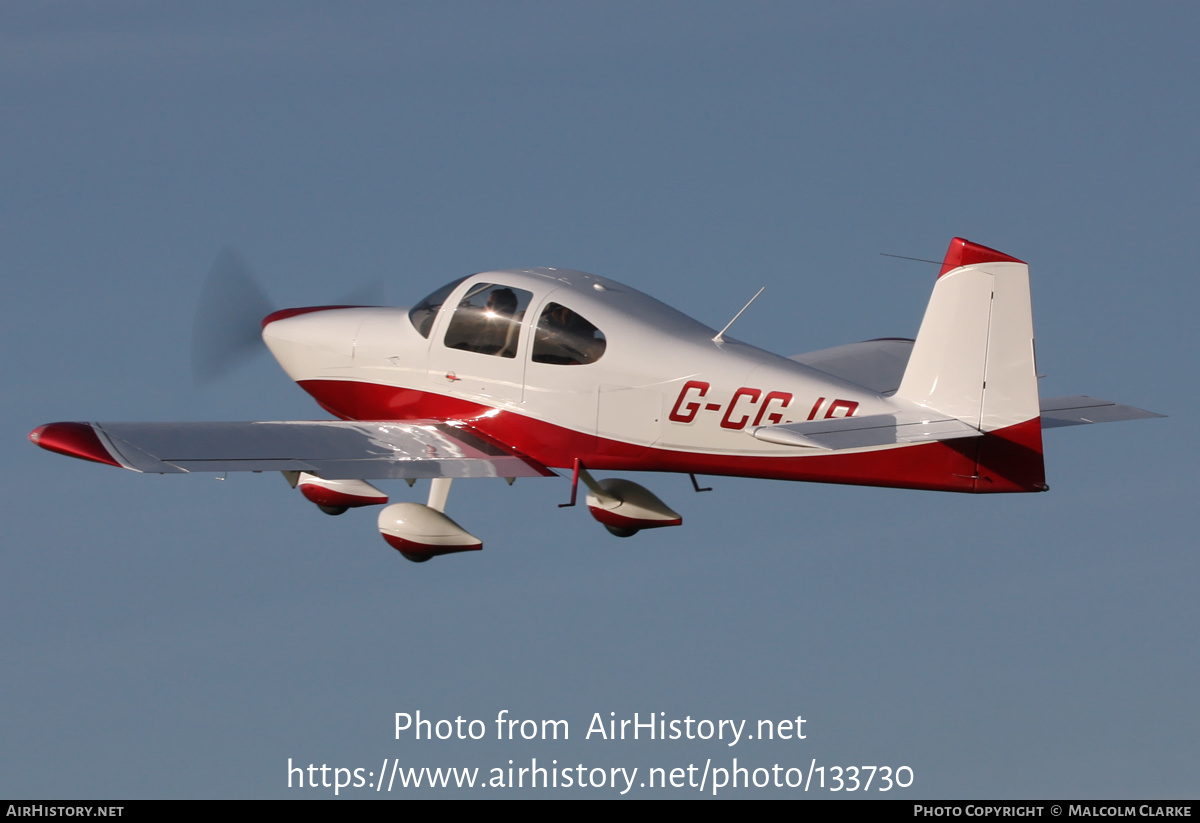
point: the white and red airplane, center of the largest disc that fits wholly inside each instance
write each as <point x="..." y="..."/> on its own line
<point x="516" y="373"/>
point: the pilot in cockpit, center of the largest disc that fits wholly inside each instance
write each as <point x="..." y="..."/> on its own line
<point x="499" y="334"/>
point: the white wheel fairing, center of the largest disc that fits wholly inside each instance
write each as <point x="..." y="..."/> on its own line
<point x="627" y="507"/>
<point x="339" y="494"/>
<point x="414" y="528"/>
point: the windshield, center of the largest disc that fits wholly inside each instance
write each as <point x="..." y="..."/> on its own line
<point x="488" y="320"/>
<point x="423" y="314"/>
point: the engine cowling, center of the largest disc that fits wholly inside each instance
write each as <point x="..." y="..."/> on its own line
<point x="419" y="532"/>
<point x="336" y="496"/>
<point x="625" y="508"/>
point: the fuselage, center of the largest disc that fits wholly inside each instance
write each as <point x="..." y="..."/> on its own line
<point x="562" y="366"/>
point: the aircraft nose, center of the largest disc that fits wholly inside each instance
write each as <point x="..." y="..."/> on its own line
<point x="310" y="341"/>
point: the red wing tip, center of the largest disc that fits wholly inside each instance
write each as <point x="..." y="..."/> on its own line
<point x="74" y="440"/>
<point x="284" y="314"/>
<point x="963" y="252"/>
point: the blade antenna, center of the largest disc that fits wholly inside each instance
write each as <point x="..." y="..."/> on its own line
<point x="917" y="259"/>
<point x="720" y="338"/>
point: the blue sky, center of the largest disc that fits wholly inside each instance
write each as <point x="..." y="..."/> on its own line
<point x="183" y="637"/>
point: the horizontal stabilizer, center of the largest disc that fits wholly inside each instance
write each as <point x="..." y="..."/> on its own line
<point x="875" y="364"/>
<point x="1080" y="411"/>
<point x="333" y="449"/>
<point x="863" y="432"/>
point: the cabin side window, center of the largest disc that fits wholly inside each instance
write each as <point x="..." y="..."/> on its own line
<point x="564" y="338"/>
<point x="423" y="314"/>
<point x="488" y="320"/>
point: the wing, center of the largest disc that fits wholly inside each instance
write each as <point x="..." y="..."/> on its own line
<point x="334" y="449"/>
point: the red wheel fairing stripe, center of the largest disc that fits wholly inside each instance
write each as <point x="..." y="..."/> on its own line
<point x="328" y="497"/>
<point x="1008" y="460"/>
<point x="412" y="547"/>
<point x="610" y="518"/>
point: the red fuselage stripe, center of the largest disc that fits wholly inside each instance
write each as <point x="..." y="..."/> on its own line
<point x="1008" y="460"/>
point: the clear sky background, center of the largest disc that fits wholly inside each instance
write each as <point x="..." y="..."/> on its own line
<point x="183" y="637"/>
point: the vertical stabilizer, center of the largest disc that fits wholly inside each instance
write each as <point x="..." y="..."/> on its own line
<point x="973" y="360"/>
